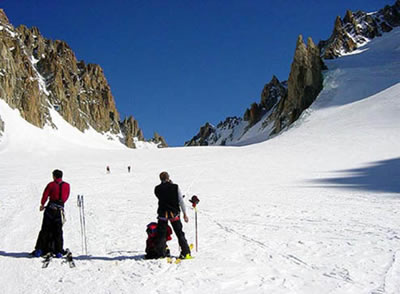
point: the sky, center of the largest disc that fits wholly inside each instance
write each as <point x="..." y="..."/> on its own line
<point x="175" y="65"/>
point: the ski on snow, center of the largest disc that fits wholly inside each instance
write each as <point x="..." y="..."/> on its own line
<point x="66" y="259"/>
<point x="177" y="260"/>
<point x="69" y="259"/>
<point x="47" y="258"/>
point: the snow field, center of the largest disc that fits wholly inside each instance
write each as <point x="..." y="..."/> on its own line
<point x="314" y="210"/>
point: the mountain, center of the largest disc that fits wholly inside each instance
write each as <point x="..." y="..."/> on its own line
<point x="356" y="29"/>
<point x="315" y="210"/>
<point x="280" y="105"/>
<point x="287" y="100"/>
<point x="38" y="74"/>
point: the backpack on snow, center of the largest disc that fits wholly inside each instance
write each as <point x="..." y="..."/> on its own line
<point x="151" y="249"/>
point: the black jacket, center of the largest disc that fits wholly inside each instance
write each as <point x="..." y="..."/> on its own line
<point x="168" y="201"/>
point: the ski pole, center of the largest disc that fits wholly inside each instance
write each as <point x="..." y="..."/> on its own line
<point x="195" y="200"/>
<point x="195" y="220"/>
<point x="79" y="203"/>
<point x="84" y="224"/>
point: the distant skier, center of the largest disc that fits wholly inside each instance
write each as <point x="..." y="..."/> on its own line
<point x="50" y="238"/>
<point x="129" y="168"/>
<point x="170" y="203"/>
<point x="108" y="169"/>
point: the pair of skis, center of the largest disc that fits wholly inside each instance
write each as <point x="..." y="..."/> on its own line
<point x="66" y="259"/>
<point x="81" y="205"/>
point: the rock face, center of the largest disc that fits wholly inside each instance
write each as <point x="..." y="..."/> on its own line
<point x="129" y="127"/>
<point x="1" y="126"/>
<point x="304" y="84"/>
<point x="281" y="103"/>
<point x="271" y="94"/>
<point x="357" y="28"/>
<point x="205" y="135"/>
<point x="159" y="140"/>
<point x="37" y="74"/>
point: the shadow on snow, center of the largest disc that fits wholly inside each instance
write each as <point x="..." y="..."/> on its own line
<point x="79" y="257"/>
<point x="379" y="176"/>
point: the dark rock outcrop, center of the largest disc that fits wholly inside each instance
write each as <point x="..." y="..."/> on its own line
<point x="203" y="137"/>
<point x="272" y="93"/>
<point x="37" y="74"/>
<point x="357" y="28"/>
<point x="253" y="114"/>
<point x="1" y="126"/>
<point x="304" y="84"/>
<point x="225" y="132"/>
<point x="270" y="96"/>
<point x="159" y="140"/>
<point x="129" y="127"/>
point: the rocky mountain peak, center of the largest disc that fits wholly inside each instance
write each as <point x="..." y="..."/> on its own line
<point x="3" y="17"/>
<point x="271" y="93"/>
<point x="304" y="84"/>
<point x="349" y="17"/>
<point x="357" y="28"/>
<point x="159" y="140"/>
<point x="37" y="74"/>
<point x="311" y="45"/>
<point x="203" y="138"/>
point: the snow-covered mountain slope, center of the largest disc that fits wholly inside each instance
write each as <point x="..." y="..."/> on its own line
<point x="314" y="210"/>
<point x="21" y="136"/>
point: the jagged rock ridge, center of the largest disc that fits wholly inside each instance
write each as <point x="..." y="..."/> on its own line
<point x="281" y="104"/>
<point x="234" y="129"/>
<point x="357" y="28"/>
<point x="38" y="74"/>
<point x="304" y="83"/>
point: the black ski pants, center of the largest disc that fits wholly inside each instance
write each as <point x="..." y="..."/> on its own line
<point x="162" y="236"/>
<point x="50" y="238"/>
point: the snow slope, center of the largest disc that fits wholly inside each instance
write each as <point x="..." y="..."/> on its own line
<point x="314" y="210"/>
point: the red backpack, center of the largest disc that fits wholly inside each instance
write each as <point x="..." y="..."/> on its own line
<point x="151" y="239"/>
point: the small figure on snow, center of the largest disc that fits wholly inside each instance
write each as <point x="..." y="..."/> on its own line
<point x="108" y="169"/>
<point x="170" y="203"/>
<point x="129" y="168"/>
<point x="50" y="238"/>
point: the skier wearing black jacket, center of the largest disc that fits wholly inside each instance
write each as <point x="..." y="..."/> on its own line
<point x="170" y="203"/>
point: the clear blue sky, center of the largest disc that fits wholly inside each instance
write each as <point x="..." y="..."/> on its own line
<point x="175" y="65"/>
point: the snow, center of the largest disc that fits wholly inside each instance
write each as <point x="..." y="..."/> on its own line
<point x="41" y="80"/>
<point x="313" y="210"/>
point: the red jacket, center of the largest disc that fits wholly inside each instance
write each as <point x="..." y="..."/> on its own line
<point x="52" y="190"/>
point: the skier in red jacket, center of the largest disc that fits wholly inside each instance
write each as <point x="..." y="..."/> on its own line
<point x="50" y="238"/>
